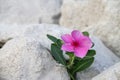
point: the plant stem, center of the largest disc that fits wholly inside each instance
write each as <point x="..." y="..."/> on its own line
<point x="69" y="67"/>
<point x="71" y="61"/>
<point x="72" y="77"/>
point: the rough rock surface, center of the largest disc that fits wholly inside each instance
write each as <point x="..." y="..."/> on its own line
<point x="29" y="11"/>
<point x="26" y="59"/>
<point x="113" y="73"/>
<point x="100" y="17"/>
<point x="104" y="58"/>
<point x="81" y="13"/>
<point x="8" y="32"/>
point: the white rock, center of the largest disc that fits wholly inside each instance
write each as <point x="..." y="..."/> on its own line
<point x="8" y="32"/>
<point x="100" y="17"/>
<point x="81" y="13"/>
<point x="29" y="11"/>
<point x="113" y="73"/>
<point x="44" y="29"/>
<point x="26" y="59"/>
<point x="104" y="59"/>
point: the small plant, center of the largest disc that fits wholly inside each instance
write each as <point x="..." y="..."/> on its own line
<point x="78" y="47"/>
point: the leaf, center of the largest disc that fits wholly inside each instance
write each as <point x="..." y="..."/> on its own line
<point x="70" y="54"/>
<point x="59" y="43"/>
<point x="91" y="53"/>
<point x="85" y="33"/>
<point x="77" y="59"/>
<point x="72" y="77"/>
<point x="52" y="38"/>
<point x="57" y="54"/>
<point x="71" y="59"/>
<point x="82" y="64"/>
<point x="55" y="40"/>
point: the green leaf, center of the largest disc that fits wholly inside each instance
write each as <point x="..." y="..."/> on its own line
<point x="72" y="77"/>
<point x="85" y="33"/>
<point x="59" y="43"/>
<point x="82" y="65"/>
<point x="71" y="59"/>
<point x="57" y="54"/>
<point x="70" y="54"/>
<point x="77" y="59"/>
<point x="91" y="53"/>
<point x="52" y="38"/>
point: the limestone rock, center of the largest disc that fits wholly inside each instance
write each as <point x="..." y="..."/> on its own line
<point x="25" y="58"/>
<point x="29" y="11"/>
<point x="104" y="59"/>
<point x="100" y="17"/>
<point x="81" y="13"/>
<point x="44" y="29"/>
<point x="113" y="73"/>
<point x="8" y="32"/>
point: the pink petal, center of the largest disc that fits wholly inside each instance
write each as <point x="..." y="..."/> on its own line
<point x="67" y="47"/>
<point x="76" y="34"/>
<point x="81" y="52"/>
<point x="66" y="38"/>
<point x="85" y="42"/>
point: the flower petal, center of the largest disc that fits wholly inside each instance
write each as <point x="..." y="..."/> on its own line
<point x="81" y="52"/>
<point x="85" y="42"/>
<point x="66" y="38"/>
<point x="76" y="34"/>
<point x="67" y="47"/>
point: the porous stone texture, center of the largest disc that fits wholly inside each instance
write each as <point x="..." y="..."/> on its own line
<point x="99" y="17"/>
<point x="113" y="73"/>
<point x="29" y="11"/>
<point x="104" y="57"/>
<point x="25" y="58"/>
<point x="81" y="13"/>
<point x="8" y="32"/>
<point x="38" y="31"/>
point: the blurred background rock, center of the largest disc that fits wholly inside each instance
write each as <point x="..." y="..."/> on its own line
<point x="99" y="17"/>
<point x="29" y="11"/>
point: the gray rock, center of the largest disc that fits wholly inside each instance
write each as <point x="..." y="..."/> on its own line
<point x="44" y="29"/>
<point x="25" y="58"/>
<point x="81" y="13"/>
<point x="104" y="59"/>
<point x="113" y="73"/>
<point x="100" y="17"/>
<point x="8" y="32"/>
<point x="29" y="11"/>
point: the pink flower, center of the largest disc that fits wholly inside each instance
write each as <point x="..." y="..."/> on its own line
<point x="77" y="43"/>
